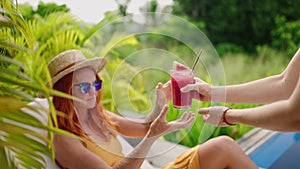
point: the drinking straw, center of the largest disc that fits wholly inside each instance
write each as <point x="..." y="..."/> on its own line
<point x="196" y="61"/>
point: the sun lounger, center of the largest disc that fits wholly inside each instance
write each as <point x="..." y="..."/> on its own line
<point x="155" y="158"/>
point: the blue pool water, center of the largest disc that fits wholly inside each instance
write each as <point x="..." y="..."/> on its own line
<point x="271" y="150"/>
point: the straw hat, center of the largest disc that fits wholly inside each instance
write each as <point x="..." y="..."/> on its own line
<point x="71" y="60"/>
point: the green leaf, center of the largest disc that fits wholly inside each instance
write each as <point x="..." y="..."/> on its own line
<point x="109" y="19"/>
<point x="3" y="159"/>
<point x="26" y="143"/>
<point x="30" y="161"/>
<point x="15" y="93"/>
<point x="15" y="129"/>
<point x="10" y="104"/>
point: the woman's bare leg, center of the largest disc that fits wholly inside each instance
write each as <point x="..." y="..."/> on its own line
<point x="223" y="153"/>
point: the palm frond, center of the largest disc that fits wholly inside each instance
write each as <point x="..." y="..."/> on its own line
<point x="59" y="42"/>
<point x="24" y="73"/>
<point x="109" y="19"/>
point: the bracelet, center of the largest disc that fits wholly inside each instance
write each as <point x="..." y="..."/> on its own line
<point x="224" y="118"/>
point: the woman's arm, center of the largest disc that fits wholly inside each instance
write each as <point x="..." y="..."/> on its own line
<point x="281" y="116"/>
<point x="129" y="127"/>
<point x="157" y="128"/>
<point x="266" y="90"/>
<point x="137" y="127"/>
<point x="70" y="152"/>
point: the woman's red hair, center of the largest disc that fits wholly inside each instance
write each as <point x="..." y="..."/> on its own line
<point x="98" y="119"/>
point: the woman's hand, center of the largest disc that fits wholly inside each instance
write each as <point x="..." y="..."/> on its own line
<point x="201" y="90"/>
<point x="214" y="115"/>
<point x="160" y="126"/>
<point x="163" y="94"/>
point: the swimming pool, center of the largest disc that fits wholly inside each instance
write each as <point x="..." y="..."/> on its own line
<point x="281" y="151"/>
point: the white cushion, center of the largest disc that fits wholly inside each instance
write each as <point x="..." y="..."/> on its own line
<point x="42" y="105"/>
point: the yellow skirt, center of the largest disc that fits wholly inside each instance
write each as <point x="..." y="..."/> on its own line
<point x="187" y="160"/>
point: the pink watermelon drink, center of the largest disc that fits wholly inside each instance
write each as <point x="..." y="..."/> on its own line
<point x="180" y="77"/>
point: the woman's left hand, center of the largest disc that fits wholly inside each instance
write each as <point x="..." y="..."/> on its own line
<point x="214" y="115"/>
<point x="160" y="126"/>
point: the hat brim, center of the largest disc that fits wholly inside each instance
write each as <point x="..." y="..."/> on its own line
<point x="96" y="63"/>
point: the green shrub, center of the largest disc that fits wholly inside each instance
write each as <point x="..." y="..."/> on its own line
<point x="286" y="36"/>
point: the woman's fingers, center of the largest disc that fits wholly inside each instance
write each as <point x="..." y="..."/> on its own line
<point x="194" y="86"/>
<point x="163" y="93"/>
<point x="164" y="112"/>
<point x="183" y="122"/>
<point x="190" y="118"/>
<point x="204" y="110"/>
<point x="205" y="113"/>
<point x="159" y="85"/>
<point x="189" y="87"/>
<point x="184" y="117"/>
<point x="200" y="88"/>
<point x="212" y="115"/>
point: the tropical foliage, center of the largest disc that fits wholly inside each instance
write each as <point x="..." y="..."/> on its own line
<point x="21" y="80"/>
<point x="245" y="24"/>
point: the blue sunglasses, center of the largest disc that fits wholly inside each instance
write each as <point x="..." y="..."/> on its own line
<point x="86" y="87"/>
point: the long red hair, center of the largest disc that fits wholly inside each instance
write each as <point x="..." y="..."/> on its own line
<point x="98" y="119"/>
